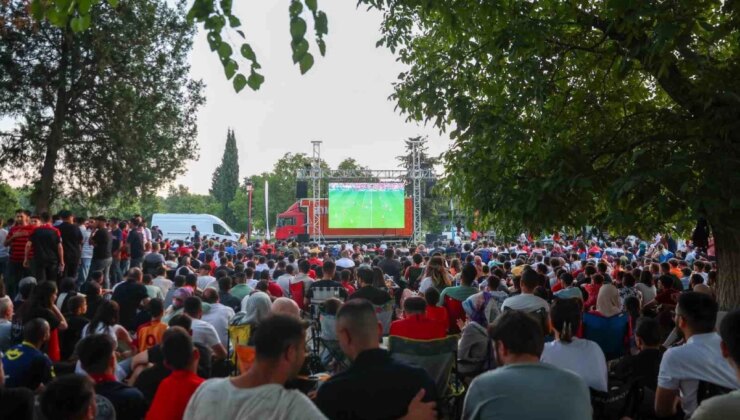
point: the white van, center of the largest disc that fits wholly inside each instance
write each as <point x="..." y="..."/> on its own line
<point x="178" y="226"/>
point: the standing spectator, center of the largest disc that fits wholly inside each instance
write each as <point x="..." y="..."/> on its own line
<point x="87" y="249"/>
<point x="135" y="246"/>
<point x="98" y="359"/>
<point x="25" y="365"/>
<point x="71" y="243"/>
<point x="4" y="252"/>
<point x="523" y="387"/>
<point x="47" y="258"/>
<point x="175" y="391"/>
<point x="130" y="295"/>
<point x="700" y="359"/>
<point x="16" y="242"/>
<point x="102" y="242"/>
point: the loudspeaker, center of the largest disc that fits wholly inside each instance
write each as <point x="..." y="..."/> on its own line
<point x="303" y="238"/>
<point x="301" y="189"/>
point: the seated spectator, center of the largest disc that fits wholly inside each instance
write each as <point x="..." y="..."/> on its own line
<point x="642" y="367"/>
<point x="327" y="280"/>
<point x="218" y="315"/>
<point x="434" y="312"/>
<point x="175" y="391"/>
<point x="25" y="365"/>
<point x="160" y="280"/>
<point x="177" y="284"/>
<point x="597" y="281"/>
<point x="15" y="403"/>
<point x="259" y="392"/>
<point x="523" y="388"/>
<point x="608" y="325"/>
<point x="6" y="315"/>
<point x="646" y="286"/>
<point x="285" y="306"/>
<point x="241" y="288"/>
<point x="224" y="294"/>
<point x="367" y="291"/>
<point x="475" y="349"/>
<point x="93" y="298"/>
<point x="415" y="324"/>
<point x="203" y="332"/>
<point x="725" y="406"/>
<point x="150" y="334"/>
<point x="76" y="321"/>
<point x="149" y="367"/>
<point x="468" y="275"/>
<point x="580" y="356"/>
<point x="256" y="310"/>
<point x="154" y="292"/>
<point x="527" y="301"/>
<point x="345" y="278"/>
<point x="568" y="289"/>
<point x="72" y="397"/>
<point x="98" y="359"/>
<point x="700" y="359"/>
<point x="105" y="321"/>
<point x="373" y="372"/>
<point x="628" y="288"/>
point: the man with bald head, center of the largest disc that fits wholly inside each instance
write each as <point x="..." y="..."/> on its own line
<point x="286" y="306"/>
<point x="373" y="372"/>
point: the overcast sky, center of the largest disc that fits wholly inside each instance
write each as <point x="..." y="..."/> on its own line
<point x="342" y="100"/>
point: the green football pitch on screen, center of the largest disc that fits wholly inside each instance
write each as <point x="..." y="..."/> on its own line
<point x="366" y="205"/>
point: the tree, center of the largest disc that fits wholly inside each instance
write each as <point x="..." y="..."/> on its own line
<point x="611" y="113"/>
<point x="218" y="21"/>
<point x="108" y="112"/>
<point x="431" y="199"/>
<point x="225" y="179"/>
<point x="8" y="201"/>
<point x="180" y="200"/>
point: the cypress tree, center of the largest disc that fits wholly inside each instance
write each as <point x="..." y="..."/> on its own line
<point x="225" y="179"/>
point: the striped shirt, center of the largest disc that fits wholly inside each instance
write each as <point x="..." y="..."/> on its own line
<point x="18" y="244"/>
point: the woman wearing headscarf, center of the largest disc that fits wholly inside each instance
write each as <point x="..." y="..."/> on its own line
<point x="256" y="310"/>
<point x="475" y="350"/>
<point x="608" y="325"/>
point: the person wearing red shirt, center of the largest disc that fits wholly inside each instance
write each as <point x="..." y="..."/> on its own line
<point x="667" y="296"/>
<point x="597" y="280"/>
<point x="434" y="312"/>
<point x="47" y="258"/>
<point x="345" y="277"/>
<point x="16" y="242"/>
<point x="175" y="391"/>
<point x="415" y="324"/>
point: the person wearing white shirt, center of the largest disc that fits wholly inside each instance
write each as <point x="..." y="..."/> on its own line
<point x="286" y="280"/>
<point x="527" y="301"/>
<point x="345" y="261"/>
<point x="700" y="359"/>
<point x="583" y="357"/>
<point x="162" y="281"/>
<point x="218" y="315"/>
<point x="203" y="332"/>
<point x="204" y="278"/>
<point x="86" y="255"/>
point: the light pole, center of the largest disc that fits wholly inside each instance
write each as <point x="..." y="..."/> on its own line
<point x="250" y="188"/>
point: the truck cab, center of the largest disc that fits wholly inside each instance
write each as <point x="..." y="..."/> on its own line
<point x="290" y="223"/>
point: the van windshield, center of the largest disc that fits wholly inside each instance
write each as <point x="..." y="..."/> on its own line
<point x="221" y="230"/>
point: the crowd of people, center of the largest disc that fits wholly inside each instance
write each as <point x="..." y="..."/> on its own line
<point x="105" y="318"/>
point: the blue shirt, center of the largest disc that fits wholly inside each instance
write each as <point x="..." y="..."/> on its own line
<point x="26" y="366"/>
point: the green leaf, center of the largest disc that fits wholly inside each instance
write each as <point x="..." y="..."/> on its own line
<point x="311" y="4"/>
<point x="84" y="6"/>
<point x="226" y="6"/>
<point x="248" y="52"/>
<point x="214" y="40"/>
<point x="37" y="9"/>
<point x="321" y="24"/>
<point x="76" y="24"/>
<point x="706" y="25"/>
<point x="113" y="3"/>
<point x="255" y="80"/>
<point x="322" y="46"/>
<point x="239" y="82"/>
<point x="300" y="48"/>
<point x="296" y="7"/>
<point x="297" y="28"/>
<point x="306" y="63"/>
<point x="234" y="22"/>
<point x="224" y="50"/>
<point x="230" y="68"/>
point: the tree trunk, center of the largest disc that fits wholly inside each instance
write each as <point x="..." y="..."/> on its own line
<point x="727" y="246"/>
<point x="44" y="188"/>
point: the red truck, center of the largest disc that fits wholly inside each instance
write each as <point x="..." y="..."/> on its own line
<point x="297" y="220"/>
